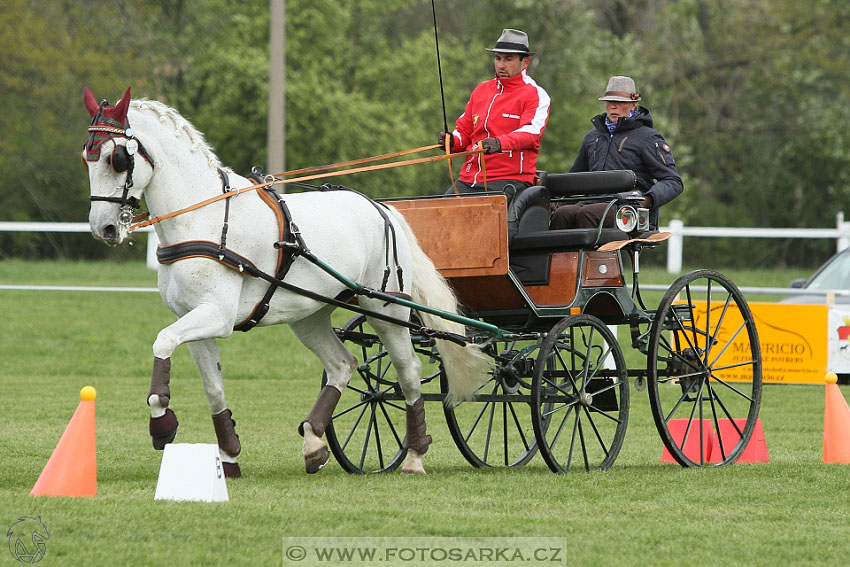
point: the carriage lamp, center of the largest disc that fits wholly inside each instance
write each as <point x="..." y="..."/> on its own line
<point x="631" y="215"/>
<point x="630" y="218"/>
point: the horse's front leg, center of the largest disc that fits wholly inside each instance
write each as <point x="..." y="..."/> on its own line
<point x="207" y="358"/>
<point x="206" y="321"/>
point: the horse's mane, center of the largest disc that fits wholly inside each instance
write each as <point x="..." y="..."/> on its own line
<point x="181" y="127"/>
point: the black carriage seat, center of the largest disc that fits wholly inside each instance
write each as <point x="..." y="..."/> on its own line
<point x="530" y="240"/>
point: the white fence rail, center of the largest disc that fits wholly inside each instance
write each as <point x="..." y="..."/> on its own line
<point x="7" y="226"/>
<point x="675" y="245"/>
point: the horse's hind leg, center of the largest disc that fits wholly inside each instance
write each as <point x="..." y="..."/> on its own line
<point x="396" y="339"/>
<point x="206" y="356"/>
<point x="316" y="333"/>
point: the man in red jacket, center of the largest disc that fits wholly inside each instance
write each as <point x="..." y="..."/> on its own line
<point x="506" y="116"/>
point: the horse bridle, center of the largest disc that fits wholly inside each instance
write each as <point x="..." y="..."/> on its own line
<point x="122" y="160"/>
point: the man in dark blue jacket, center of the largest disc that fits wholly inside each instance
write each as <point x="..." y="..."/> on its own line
<point x="623" y="138"/>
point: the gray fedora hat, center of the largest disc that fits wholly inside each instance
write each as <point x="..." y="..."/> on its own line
<point x="621" y="89"/>
<point x="512" y="41"/>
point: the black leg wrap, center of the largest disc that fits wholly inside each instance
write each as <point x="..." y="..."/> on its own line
<point x="163" y="429"/>
<point x="416" y="437"/>
<point x="225" y="432"/>
<point x="159" y="380"/>
<point x="323" y="409"/>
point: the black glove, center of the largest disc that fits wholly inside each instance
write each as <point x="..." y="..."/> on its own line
<point x="441" y="140"/>
<point x="491" y="145"/>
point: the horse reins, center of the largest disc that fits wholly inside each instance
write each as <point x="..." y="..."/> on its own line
<point x="270" y="180"/>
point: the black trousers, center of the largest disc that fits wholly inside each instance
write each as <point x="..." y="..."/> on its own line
<point x="582" y="216"/>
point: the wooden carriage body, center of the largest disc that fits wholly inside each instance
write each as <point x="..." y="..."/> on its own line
<point x="467" y="239"/>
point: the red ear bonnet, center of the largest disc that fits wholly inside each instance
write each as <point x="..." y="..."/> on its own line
<point x="112" y="118"/>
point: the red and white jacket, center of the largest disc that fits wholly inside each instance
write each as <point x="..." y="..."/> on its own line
<point x="514" y="110"/>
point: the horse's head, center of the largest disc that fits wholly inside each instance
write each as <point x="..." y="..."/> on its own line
<point x="116" y="177"/>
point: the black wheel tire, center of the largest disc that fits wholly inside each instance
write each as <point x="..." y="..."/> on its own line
<point x="704" y="370"/>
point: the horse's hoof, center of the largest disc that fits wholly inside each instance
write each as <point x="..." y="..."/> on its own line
<point x="316" y="461"/>
<point x="163" y="429"/>
<point x="412" y="463"/>
<point x="231" y="470"/>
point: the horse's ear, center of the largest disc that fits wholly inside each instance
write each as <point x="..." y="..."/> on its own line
<point x="119" y="111"/>
<point x="91" y="102"/>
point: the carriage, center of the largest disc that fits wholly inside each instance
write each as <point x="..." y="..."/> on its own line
<point x="560" y="382"/>
<point x="538" y="342"/>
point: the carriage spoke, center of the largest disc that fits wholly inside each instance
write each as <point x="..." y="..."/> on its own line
<point x="480" y="415"/>
<point x="354" y="427"/>
<point x="679" y="402"/>
<point x="399" y="441"/>
<point x="583" y="442"/>
<point x="561" y="429"/>
<point x="711" y="338"/>
<point x="596" y="431"/>
<point x="732" y="388"/>
<point x="518" y="427"/>
<point x="368" y="435"/>
<point x="378" y="445"/>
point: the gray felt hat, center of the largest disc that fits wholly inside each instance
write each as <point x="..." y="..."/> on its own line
<point x="621" y="89"/>
<point x="512" y="41"/>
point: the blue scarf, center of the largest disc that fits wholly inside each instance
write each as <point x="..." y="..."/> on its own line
<point x="613" y="125"/>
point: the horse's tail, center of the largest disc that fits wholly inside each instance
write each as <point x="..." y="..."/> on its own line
<point x="466" y="366"/>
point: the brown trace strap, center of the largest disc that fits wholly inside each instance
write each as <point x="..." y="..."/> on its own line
<point x="236" y="192"/>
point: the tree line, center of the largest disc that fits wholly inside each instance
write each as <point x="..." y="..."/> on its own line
<point x="750" y="94"/>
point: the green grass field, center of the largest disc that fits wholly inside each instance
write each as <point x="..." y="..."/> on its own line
<point x="791" y="511"/>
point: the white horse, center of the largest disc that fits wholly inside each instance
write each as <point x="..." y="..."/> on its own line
<point x="144" y="147"/>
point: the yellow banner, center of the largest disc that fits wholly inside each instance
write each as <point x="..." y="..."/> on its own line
<point x="792" y="337"/>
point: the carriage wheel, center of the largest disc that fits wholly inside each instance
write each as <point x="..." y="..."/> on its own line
<point x="580" y="396"/>
<point x="704" y="370"/>
<point x="494" y="429"/>
<point x="367" y="431"/>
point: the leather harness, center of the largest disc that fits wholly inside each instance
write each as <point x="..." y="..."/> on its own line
<point x="289" y="245"/>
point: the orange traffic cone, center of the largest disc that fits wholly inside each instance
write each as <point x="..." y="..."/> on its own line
<point x="72" y="468"/>
<point x="836" y="424"/>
